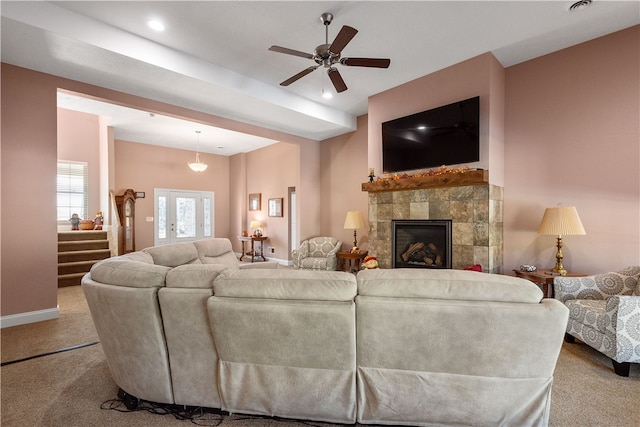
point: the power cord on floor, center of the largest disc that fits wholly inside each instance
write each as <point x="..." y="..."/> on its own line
<point x="209" y="417"/>
<point x="197" y="415"/>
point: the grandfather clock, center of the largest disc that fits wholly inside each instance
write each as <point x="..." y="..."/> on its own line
<point x="126" y="205"/>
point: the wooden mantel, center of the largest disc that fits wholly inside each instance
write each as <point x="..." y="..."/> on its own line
<point x="471" y="177"/>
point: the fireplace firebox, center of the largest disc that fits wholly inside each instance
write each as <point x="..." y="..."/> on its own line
<point x="423" y="243"/>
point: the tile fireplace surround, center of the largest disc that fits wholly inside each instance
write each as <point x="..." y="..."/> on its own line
<point x="473" y="205"/>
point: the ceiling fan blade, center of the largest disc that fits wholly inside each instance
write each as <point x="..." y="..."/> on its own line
<point x="336" y="79"/>
<point x="366" y="62"/>
<point x="300" y="75"/>
<point x="288" y="51"/>
<point x="342" y="39"/>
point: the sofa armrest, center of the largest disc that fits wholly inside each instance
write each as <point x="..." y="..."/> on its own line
<point x="624" y="324"/>
<point x="598" y="286"/>
<point x="566" y="288"/>
<point x="332" y="257"/>
<point x="302" y="252"/>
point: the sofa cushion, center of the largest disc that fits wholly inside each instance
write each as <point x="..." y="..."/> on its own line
<point x="128" y="271"/>
<point x="446" y="284"/>
<point x="173" y="255"/>
<point x="194" y="275"/>
<point x="286" y="284"/>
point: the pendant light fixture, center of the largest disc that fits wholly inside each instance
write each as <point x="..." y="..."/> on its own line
<point x="198" y="166"/>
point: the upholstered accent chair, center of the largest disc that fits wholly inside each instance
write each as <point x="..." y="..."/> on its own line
<point x="317" y="253"/>
<point x="605" y="313"/>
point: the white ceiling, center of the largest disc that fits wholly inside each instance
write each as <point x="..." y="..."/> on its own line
<point x="213" y="56"/>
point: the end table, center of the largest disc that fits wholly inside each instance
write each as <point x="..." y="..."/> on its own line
<point x="253" y="239"/>
<point x="543" y="278"/>
<point x="350" y="262"/>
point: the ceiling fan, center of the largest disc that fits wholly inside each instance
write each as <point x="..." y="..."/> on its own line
<point x="328" y="55"/>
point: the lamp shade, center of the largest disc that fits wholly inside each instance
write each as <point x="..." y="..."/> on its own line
<point x="255" y="224"/>
<point x="354" y="220"/>
<point x="561" y="221"/>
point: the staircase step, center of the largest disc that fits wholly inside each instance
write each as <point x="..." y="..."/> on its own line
<point x="82" y="245"/>
<point x="73" y="279"/>
<point x="90" y="255"/>
<point x="65" y="236"/>
<point x="75" y="267"/>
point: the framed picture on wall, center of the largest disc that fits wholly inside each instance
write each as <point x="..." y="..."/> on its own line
<point x="275" y="207"/>
<point x="255" y="201"/>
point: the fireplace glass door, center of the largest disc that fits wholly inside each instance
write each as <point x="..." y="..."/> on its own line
<point x="421" y="243"/>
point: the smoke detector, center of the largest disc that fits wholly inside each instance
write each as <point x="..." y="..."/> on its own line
<point x="579" y="5"/>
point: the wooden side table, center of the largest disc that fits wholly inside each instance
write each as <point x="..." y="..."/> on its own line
<point x="350" y="262"/>
<point x="253" y="239"/>
<point x="543" y="279"/>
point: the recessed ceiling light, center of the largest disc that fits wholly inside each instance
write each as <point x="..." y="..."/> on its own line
<point x="579" y="5"/>
<point x="154" y="24"/>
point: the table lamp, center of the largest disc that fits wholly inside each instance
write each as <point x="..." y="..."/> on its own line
<point x="256" y="226"/>
<point x="561" y="221"/>
<point x="354" y="220"/>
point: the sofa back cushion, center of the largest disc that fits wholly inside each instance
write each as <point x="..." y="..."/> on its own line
<point x="134" y="270"/>
<point x="446" y="285"/>
<point x="216" y="251"/>
<point x="630" y="278"/>
<point x="173" y="255"/>
<point x="194" y="275"/>
<point x="286" y="284"/>
<point x="320" y="247"/>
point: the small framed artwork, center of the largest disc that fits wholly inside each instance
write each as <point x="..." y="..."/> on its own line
<point x="255" y="201"/>
<point x="139" y="194"/>
<point x="275" y="207"/>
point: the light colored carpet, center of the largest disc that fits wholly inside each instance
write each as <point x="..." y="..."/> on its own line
<point x="68" y="388"/>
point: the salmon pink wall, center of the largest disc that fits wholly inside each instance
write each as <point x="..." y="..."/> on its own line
<point x="79" y="141"/>
<point x="343" y="170"/>
<point x="480" y="76"/>
<point x="29" y="132"/>
<point x="271" y="171"/>
<point x="144" y="167"/>
<point x="28" y="165"/>
<point x="238" y="199"/>
<point x="573" y="137"/>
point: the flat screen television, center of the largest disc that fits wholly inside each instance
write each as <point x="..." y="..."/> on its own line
<point x="447" y="135"/>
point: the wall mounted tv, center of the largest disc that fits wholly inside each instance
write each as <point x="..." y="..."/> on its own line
<point x="447" y="135"/>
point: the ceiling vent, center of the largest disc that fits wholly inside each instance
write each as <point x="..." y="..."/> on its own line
<point x="579" y="5"/>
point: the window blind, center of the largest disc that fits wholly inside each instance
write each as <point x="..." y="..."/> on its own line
<point x="72" y="190"/>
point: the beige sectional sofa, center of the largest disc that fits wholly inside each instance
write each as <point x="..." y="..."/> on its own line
<point x="183" y="324"/>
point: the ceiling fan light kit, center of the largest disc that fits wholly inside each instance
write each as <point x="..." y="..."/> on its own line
<point x="327" y="55"/>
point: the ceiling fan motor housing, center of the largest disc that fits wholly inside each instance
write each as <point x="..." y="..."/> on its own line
<point x="323" y="56"/>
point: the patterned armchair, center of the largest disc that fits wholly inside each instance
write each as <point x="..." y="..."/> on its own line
<point x="317" y="253"/>
<point x="605" y="314"/>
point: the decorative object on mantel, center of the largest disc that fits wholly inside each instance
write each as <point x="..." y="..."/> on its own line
<point x="354" y="220"/>
<point x="198" y="166"/>
<point x="442" y="177"/>
<point x="372" y="174"/>
<point x="561" y="221"/>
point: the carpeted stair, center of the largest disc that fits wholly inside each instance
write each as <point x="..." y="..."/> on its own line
<point x="77" y="252"/>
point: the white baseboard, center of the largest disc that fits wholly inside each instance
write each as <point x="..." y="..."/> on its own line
<point x="29" y="317"/>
